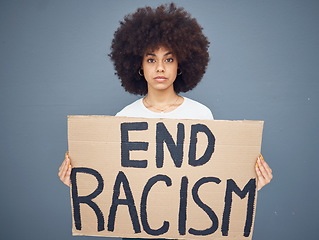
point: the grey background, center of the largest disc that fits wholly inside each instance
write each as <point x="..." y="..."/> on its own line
<point x="264" y="66"/>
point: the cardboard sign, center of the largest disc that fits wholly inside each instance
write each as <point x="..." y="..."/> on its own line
<point x="163" y="178"/>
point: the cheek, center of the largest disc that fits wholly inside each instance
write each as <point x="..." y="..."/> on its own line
<point x="145" y="69"/>
<point x="174" y="70"/>
<point x="147" y="73"/>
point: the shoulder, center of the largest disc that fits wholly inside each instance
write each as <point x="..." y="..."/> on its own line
<point x="198" y="110"/>
<point x="132" y="109"/>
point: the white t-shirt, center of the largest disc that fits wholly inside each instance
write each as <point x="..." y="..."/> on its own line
<point x="189" y="109"/>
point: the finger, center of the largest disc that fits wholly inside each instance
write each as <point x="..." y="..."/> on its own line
<point x="67" y="179"/>
<point x="267" y="176"/>
<point x="65" y="157"/>
<point x="257" y="171"/>
<point x="260" y="179"/>
<point x="64" y="169"/>
<point x="259" y="162"/>
<point x="69" y="174"/>
<point x="263" y="171"/>
<point x="68" y="158"/>
<point x="266" y="170"/>
<point x="69" y="170"/>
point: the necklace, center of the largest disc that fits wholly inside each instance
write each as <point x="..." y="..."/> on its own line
<point x="161" y="109"/>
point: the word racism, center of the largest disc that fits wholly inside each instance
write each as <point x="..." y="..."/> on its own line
<point x="174" y="151"/>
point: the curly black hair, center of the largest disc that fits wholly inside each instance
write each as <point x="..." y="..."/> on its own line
<point x="150" y="28"/>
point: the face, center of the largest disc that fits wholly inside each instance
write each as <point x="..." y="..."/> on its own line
<point x="160" y="69"/>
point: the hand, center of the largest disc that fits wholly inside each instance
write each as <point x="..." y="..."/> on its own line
<point x="65" y="170"/>
<point x="264" y="173"/>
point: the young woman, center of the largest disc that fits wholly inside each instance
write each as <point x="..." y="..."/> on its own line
<point x="158" y="53"/>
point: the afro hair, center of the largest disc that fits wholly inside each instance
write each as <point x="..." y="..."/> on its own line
<point x="150" y="28"/>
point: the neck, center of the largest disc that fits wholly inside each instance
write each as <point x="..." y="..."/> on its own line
<point x="159" y="102"/>
<point x="160" y="99"/>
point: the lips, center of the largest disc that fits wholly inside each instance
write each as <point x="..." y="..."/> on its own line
<point x="160" y="79"/>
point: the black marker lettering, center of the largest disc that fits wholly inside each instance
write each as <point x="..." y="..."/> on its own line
<point x="176" y="150"/>
<point x="129" y="201"/>
<point x="196" y="128"/>
<point x="203" y="206"/>
<point x="127" y="146"/>
<point x="183" y="206"/>
<point x="86" y="199"/>
<point x="147" y="188"/>
<point x="249" y="188"/>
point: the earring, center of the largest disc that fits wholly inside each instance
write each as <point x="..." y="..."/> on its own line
<point x="140" y="73"/>
<point x="179" y="72"/>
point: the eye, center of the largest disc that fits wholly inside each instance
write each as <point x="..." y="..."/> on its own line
<point x="169" y="60"/>
<point x="150" y="60"/>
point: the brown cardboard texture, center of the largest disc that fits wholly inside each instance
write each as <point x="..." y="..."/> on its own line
<point x="163" y="178"/>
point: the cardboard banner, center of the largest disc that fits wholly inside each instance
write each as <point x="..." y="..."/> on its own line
<point x="163" y="178"/>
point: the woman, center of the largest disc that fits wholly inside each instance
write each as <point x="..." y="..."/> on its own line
<point x="158" y="53"/>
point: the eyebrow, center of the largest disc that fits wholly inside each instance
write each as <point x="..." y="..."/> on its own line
<point x="152" y="54"/>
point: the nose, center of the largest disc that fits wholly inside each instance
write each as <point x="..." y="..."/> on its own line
<point x="160" y="67"/>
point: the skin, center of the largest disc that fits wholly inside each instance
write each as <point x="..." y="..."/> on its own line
<point x="160" y="71"/>
<point x="65" y="170"/>
<point x="263" y="171"/>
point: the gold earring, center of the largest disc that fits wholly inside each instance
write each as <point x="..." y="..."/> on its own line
<point x="180" y="72"/>
<point x="139" y="72"/>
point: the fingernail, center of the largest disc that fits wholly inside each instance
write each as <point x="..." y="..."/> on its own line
<point x="257" y="165"/>
<point x="66" y="154"/>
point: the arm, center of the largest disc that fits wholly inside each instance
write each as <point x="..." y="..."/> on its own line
<point x="264" y="172"/>
<point x="65" y="170"/>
